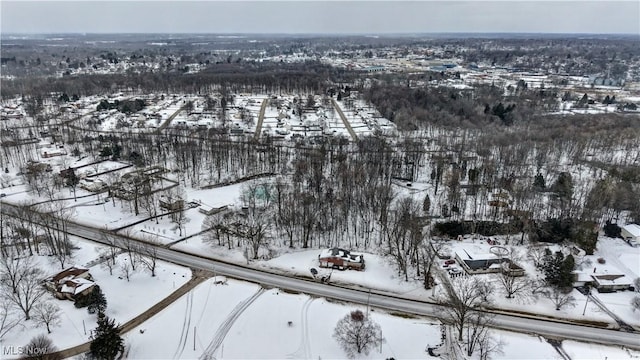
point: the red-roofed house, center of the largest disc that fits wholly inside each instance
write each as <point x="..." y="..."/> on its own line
<point x="70" y="283"/>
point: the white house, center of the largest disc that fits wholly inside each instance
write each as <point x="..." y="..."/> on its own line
<point x="631" y="233"/>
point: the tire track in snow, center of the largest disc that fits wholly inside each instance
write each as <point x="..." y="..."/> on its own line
<point x="226" y="326"/>
<point x="304" y="349"/>
<point x="206" y="301"/>
<point x="186" y="324"/>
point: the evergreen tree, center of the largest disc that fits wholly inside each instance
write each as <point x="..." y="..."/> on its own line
<point x="558" y="269"/>
<point x="95" y="301"/>
<point x="98" y="302"/>
<point x="538" y="182"/>
<point x="565" y="276"/>
<point x="426" y="204"/>
<point x="612" y="230"/>
<point x="564" y="185"/>
<point x="106" y="343"/>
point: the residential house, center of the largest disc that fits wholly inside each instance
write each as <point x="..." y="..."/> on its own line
<point x="93" y="185"/>
<point x="486" y="263"/>
<point x="70" y="283"/>
<point x="171" y="204"/>
<point x="211" y="210"/>
<point x="610" y="282"/>
<point x="341" y="259"/>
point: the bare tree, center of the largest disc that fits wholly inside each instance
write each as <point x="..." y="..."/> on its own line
<point x="13" y="271"/>
<point x="635" y="303"/>
<point x="513" y="285"/>
<point x="47" y="314"/>
<point x="8" y="317"/>
<point x="463" y="296"/>
<point x="149" y="255"/>
<point x="28" y="291"/>
<point x="488" y="345"/>
<point x="125" y="270"/>
<point x="64" y="256"/>
<point x="41" y="348"/>
<point x="253" y="228"/>
<point x="429" y="253"/>
<point x="132" y="248"/>
<point x="404" y="234"/>
<point x="477" y="330"/>
<point x="357" y="333"/>
<point x="536" y="254"/>
<point x="108" y="261"/>
<point x="559" y="297"/>
<point x="217" y="228"/>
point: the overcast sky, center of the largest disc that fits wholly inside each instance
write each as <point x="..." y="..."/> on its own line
<point x="319" y="16"/>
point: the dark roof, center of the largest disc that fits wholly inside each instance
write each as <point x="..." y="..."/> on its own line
<point x="70" y="272"/>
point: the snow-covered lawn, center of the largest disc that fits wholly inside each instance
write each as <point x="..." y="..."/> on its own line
<point x="215" y="313"/>
<point x="580" y="350"/>
<point x="538" y="304"/>
<point x="379" y="273"/>
<point x="240" y="320"/>
<point x="523" y="346"/>
<point x="125" y="299"/>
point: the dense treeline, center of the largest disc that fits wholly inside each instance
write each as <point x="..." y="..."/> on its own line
<point x="244" y="77"/>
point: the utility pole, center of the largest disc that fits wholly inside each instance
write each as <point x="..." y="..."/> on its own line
<point x="368" y="298"/>
<point x="194" y="338"/>
<point x="585" y="305"/>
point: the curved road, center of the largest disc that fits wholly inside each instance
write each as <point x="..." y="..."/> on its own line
<point x="551" y="329"/>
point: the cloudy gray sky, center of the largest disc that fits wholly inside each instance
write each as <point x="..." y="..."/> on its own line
<point x="319" y="16"/>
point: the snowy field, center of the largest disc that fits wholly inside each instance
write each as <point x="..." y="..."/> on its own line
<point x="240" y="320"/>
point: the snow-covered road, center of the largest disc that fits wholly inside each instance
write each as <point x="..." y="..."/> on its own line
<point x="552" y="329"/>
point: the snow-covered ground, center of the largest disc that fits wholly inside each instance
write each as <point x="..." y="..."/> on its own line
<point x="224" y="327"/>
<point x="379" y="273"/>
<point x="125" y="299"/>
<point x="223" y="320"/>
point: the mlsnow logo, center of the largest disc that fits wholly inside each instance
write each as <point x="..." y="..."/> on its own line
<point x="23" y="350"/>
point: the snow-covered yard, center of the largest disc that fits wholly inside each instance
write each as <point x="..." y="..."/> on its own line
<point x="125" y="299"/>
<point x="225" y="319"/>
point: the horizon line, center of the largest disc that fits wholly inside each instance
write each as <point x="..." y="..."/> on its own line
<point x="2" y="33"/>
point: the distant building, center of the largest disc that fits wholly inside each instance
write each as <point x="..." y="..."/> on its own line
<point x="52" y="152"/>
<point x="373" y="69"/>
<point x="631" y="233"/>
<point x="210" y="210"/>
